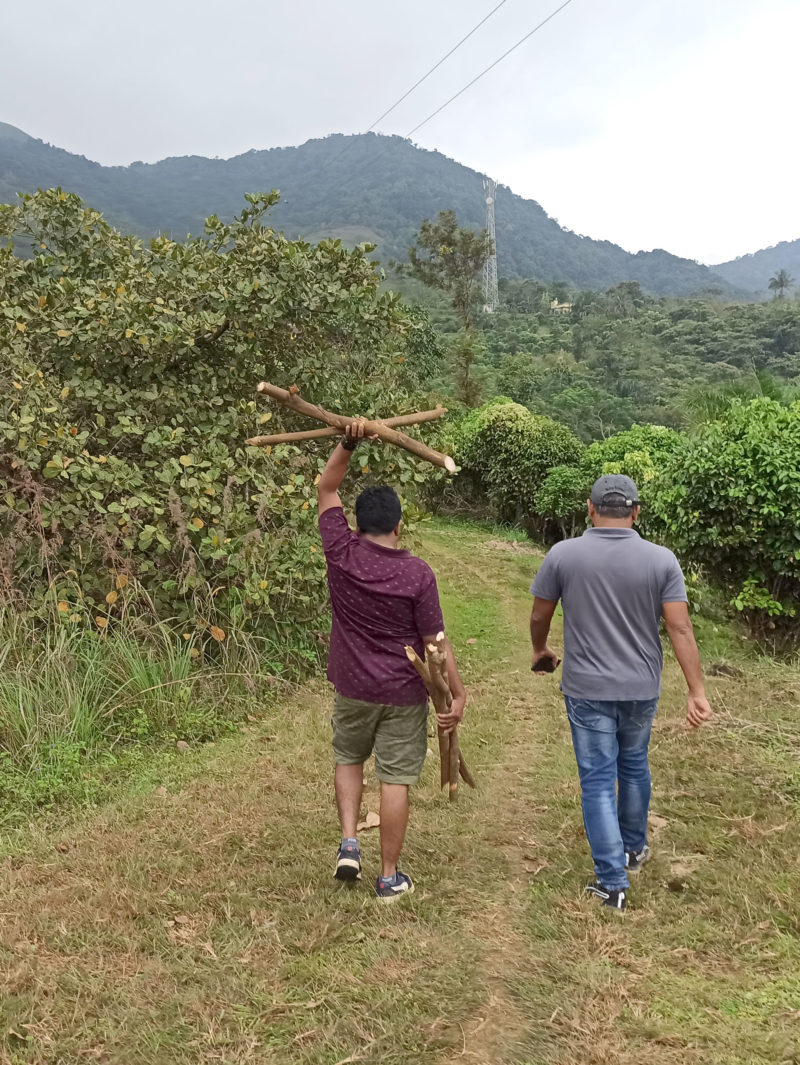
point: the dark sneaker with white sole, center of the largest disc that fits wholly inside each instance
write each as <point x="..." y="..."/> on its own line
<point x="612" y="900"/>
<point x="348" y="863"/>
<point x="634" y="860"/>
<point x="388" y="892"/>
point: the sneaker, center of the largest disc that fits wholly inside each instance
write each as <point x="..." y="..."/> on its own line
<point x="613" y="900"/>
<point x="390" y="892"/>
<point x="634" y="860"/>
<point x="348" y="863"/>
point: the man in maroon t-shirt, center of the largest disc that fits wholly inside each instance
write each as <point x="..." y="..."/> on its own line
<point x="382" y="598"/>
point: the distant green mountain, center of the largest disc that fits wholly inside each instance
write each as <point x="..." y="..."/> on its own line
<point x="364" y="187"/>
<point x="752" y="272"/>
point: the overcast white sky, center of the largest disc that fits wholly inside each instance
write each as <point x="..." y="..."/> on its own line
<point x="652" y="123"/>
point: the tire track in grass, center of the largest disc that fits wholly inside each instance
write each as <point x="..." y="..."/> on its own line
<point x="502" y="698"/>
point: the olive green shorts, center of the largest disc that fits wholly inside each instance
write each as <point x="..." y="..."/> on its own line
<point x="397" y="734"/>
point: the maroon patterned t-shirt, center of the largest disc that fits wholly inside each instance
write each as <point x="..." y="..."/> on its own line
<point x="381" y="599"/>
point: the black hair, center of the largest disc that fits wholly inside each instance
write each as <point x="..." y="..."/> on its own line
<point x="606" y="511"/>
<point x="378" y="510"/>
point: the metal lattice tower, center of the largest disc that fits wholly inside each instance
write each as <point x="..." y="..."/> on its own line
<point x="491" y="298"/>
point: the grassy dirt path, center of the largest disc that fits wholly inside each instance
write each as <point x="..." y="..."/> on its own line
<point x="200" y="923"/>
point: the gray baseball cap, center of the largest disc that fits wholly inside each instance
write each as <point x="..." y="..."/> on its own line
<point x="614" y="490"/>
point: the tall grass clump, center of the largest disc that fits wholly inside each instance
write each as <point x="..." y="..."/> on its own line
<point x="75" y="700"/>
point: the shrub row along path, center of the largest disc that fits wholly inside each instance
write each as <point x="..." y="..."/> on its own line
<point x="201" y="924"/>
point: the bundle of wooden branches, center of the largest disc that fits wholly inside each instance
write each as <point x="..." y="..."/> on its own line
<point x="434" y="673"/>
<point x="384" y="428"/>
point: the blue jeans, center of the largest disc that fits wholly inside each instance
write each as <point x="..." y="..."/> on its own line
<point x="610" y="741"/>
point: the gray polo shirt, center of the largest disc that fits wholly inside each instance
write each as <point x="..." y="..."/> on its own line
<point x="611" y="584"/>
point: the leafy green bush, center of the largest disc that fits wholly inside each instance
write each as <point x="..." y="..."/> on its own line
<point x="128" y="382"/>
<point x="730" y="500"/>
<point x="639" y="452"/>
<point x="562" y="498"/>
<point x="505" y="452"/>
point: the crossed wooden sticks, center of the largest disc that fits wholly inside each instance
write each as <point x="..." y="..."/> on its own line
<point x="434" y="673"/>
<point x="383" y="428"/>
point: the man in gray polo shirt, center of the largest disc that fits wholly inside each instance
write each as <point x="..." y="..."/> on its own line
<point x="614" y="588"/>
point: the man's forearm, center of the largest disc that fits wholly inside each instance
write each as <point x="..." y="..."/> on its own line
<point x="541" y="620"/>
<point x="540" y="630"/>
<point x="685" y="647"/>
<point x="454" y="677"/>
<point x="335" y="469"/>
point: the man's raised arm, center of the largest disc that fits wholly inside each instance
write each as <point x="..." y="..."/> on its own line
<point x="336" y="468"/>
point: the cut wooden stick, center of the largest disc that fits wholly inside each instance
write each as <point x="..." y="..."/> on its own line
<point x="318" y="434"/>
<point x="420" y="666"/>
<point x="433" y="671"/>
<point x="292" y="399"/>
<point x="440" y="705"/>
<point x="444" y="759"/>
<point x="453" y="765"/>
<point x="464" y="771"/>
<point x="436" y="659"/>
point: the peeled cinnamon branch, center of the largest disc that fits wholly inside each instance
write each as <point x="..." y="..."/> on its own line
<point x="420" y="666"/>
<point x="440" y="705"/>
<point x="318" y="434"/>
<point x="292" y="399"/>
<point x="465" y="773"/>
<point x="453" y="765"/>
<point x="436" y="659"/>
<point x="434" y="675"/>
<point x="444" y="758"/>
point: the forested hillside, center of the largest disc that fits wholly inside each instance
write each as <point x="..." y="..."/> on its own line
<point x="621" y="356"/>
<point x="364" y="187"/>
<point x="753" y="272"/>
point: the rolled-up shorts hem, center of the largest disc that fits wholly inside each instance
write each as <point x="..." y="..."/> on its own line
<point x="383" y="777"/>
<point x="389" y="778"/>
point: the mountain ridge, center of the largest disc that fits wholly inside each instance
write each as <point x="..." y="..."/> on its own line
<point x="361" y="186"/>
<point x="753" y="271"/>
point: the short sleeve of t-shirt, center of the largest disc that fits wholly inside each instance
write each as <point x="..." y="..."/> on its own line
<point x="674" y="587"/>
<point x="427" y="610"/>
<point x="547" y="582"/>
<point x="335" y="532"/>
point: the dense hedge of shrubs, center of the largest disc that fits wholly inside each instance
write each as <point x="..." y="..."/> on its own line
<point x="725" y="497"/>
<point x="128" y="392"/>
<point x="729" y="499"/>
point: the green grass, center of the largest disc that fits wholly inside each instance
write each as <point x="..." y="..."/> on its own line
<point x="194" y="919"/>
<point x="80" y="710"/>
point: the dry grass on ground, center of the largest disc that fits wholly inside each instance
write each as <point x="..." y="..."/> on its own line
<point x="202" y="925"/>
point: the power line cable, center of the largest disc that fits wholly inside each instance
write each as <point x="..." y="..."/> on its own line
<point x="436" y="65"/>
<point x="347" y="147"/>
<point x="491" y="66"/>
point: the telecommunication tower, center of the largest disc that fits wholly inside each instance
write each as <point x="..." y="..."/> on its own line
<point x="491" y="299"/>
